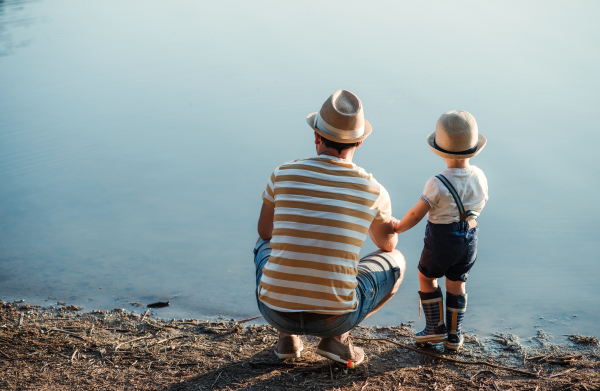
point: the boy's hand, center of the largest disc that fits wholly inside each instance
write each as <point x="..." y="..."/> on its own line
<point x="396" y="223"/>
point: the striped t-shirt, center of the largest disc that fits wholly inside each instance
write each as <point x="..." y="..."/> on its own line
<point x="323" y="209"/>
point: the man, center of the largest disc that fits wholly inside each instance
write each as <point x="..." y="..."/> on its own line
<point x="315" y="216"/>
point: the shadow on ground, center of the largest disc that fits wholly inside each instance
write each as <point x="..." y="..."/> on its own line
<point x="264" y="370"/>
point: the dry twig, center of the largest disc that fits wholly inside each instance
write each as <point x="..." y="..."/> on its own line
<point x="330" y="371"/>
<point x="452" y="359"/>
<point x="249" y="319"/>
<point x="216" y="379"/>
<point x="133" y="340"/>
<point x="70" y="333"/>
<point x="169" y="339"/>
<point x="534" y="358"/>
<point x="144" y="317"/>
<point x="561" y="373"/>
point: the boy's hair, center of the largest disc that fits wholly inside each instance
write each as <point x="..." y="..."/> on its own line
<point x="339" y="147"/>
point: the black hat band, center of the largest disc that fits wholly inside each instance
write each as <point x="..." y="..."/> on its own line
<point x="467" y="152"/>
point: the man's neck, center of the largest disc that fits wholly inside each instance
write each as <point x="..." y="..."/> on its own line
<point x="346" y="154"/>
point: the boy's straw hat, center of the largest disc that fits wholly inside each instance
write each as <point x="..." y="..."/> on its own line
<point x="341" y="119"/>
<point x="456" y="136"/>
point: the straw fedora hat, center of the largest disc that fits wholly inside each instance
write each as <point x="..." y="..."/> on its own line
<point x="341" y="119"/>
<point x="456" y="136"/>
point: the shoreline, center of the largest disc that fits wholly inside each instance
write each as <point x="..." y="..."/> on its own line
<point x="57" y="348"/>
<point x="525" y="324"/>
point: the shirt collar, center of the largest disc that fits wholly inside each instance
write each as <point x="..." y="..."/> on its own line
<point x="333" y="158"/>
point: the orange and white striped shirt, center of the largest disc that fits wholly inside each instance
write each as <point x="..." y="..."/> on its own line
<point x="323" y="209"/>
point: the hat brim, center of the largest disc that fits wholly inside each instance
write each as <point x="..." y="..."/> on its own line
<point x="310" y="119"/>
<point x="481" y="141"/>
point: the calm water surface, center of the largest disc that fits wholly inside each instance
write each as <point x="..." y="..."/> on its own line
<point x="136" y="140"/>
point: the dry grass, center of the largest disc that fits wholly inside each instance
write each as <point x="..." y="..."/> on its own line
<point x="49" y="349"/>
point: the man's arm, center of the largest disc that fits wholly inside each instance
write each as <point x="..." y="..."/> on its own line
<point x="412" y="217"/>
<point x="265" y="222"/>
<point x="383" y="235"/>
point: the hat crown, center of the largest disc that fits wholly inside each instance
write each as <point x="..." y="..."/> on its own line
<point x="343" y="110"/>
<point x="456" y="131"/>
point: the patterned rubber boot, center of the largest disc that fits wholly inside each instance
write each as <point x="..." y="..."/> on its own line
<point x="456" y="306"/>
<point x="433" y="307"/>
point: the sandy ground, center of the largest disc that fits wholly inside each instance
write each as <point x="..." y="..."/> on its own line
<point x="58" y="348"/>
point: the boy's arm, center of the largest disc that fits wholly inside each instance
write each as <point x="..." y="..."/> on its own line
<point x="412" y="217"/>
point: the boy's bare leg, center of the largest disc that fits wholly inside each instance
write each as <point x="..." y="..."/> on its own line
<point x="455" y="287"/>
<point x="428" y="285"/>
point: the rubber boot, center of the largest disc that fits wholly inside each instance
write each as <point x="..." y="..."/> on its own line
<point x="456" y="306"/>
<point x="433" y="307"/>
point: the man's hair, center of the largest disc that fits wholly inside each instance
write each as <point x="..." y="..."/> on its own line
<point x="339" y="147"/>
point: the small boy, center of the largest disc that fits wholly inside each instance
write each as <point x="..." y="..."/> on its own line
<point x="453" y="200"/>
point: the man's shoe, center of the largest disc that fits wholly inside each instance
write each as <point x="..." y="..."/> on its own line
<point x="340" y="352"/>
<point x="289" y="347"/>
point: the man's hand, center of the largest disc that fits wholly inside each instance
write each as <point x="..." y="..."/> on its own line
<point x="383" y="235"/>
<point x="265" y="222"/>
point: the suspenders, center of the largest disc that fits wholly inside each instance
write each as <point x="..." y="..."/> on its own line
<point x="461" y="209"/>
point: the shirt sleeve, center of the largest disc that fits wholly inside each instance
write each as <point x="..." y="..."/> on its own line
<point x="384" y="207"/>
<point x="269" y="193"/>
<point x="487" y="197"/>
<point x="431" y="193"/>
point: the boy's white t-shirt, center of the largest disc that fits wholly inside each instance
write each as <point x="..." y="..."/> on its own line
<point x="471" y="186"/>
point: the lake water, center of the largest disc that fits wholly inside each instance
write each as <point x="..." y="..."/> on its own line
<point x="136" y="140"/>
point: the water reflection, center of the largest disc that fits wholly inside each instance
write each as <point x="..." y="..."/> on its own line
<point x="4" y="37"/>
<point x="12" y="16"/>
<point x="135" y="143"/>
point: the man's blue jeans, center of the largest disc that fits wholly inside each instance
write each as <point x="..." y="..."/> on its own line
<point x="377" y="274"/>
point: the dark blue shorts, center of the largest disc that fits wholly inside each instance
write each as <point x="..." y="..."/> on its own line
<point x="450" y="250"/>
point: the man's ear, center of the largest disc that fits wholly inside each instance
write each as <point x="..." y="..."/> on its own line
<point x="317" y="138"/>
<point x="359" y="144"/>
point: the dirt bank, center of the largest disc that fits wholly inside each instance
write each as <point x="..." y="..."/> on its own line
<point x="58" y="348"/>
